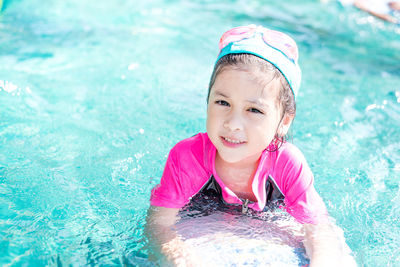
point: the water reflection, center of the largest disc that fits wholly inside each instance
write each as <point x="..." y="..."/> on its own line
<point x="229" y="238"/>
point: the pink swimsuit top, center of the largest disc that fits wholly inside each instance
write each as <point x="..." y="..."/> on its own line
<point x="191" y="165"/>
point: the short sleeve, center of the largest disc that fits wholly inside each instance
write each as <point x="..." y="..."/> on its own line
<point x="168" y="193"/>
<point x="184" y="174"/>
<point x="301" y="199"/>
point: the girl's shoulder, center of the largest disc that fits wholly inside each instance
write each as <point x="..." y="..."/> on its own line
<point x="291" y="171"/>
<point x="289" y="153"/>
<point x="195" y="144"/>
<point x="197" y="148"/>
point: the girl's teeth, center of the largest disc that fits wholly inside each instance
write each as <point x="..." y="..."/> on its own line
<point x="232" y="141"/>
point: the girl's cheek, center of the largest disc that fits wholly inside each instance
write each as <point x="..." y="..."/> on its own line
<point x="213" y="111"/>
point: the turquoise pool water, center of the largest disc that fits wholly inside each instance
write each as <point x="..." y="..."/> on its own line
<point x="93" y="95"/>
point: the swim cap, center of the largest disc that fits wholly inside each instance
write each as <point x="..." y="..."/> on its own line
<point x="275" y="47"/>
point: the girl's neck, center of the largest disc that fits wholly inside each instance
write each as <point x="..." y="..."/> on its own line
<point x="238" y="176"/>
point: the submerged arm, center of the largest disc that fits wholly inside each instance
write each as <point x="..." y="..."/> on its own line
<point x="164" y="240"/>
<point x="325" y="245"/>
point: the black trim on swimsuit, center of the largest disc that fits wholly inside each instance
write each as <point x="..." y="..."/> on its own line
<point x="210" y="198"/>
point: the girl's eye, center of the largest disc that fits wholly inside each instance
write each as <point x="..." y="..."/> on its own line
<point x="254" y="110"/>
<point x="222" y="103"/>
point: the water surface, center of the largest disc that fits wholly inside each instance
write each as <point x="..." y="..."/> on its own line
<point x="93" y="95"/>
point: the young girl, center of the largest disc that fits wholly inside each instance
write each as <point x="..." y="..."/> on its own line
<point x="243" y="160"/>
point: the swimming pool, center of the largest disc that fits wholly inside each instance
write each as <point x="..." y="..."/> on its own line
<point x="93" y="95"/>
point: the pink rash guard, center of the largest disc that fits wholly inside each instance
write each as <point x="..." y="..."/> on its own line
<point x="191" y="164"/>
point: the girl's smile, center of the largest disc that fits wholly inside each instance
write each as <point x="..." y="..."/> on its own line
<point x="231" y="142"/>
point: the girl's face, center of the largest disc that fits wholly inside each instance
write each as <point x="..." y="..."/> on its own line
<point x="242" y="116"/>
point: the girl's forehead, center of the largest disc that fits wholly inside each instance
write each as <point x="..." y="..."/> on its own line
<point x="265" y="84"/>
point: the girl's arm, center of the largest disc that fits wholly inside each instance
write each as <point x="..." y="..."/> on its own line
<point x="325" y="246"/>
<point x="164" y="240"/>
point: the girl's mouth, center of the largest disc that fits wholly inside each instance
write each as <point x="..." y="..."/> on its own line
<point x="231" y="142"/>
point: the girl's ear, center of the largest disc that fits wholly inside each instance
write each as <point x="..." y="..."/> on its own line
<point x="285" y="124"/>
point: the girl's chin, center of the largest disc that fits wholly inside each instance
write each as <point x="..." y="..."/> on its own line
<point x="231" y="158"/>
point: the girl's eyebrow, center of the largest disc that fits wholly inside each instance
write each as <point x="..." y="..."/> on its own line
<point x="218" y="93"/>
<point x="258" y="102"/>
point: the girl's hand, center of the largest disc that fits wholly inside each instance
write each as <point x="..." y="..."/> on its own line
<point x="325" y="245"/>
<point x="164" y="242"/>
<point x="180" y="254"/>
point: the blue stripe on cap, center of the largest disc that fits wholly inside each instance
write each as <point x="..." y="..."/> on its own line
<point x="256" y="46"/>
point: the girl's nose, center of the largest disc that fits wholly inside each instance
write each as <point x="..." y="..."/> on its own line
<point x="233" y="122"/>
